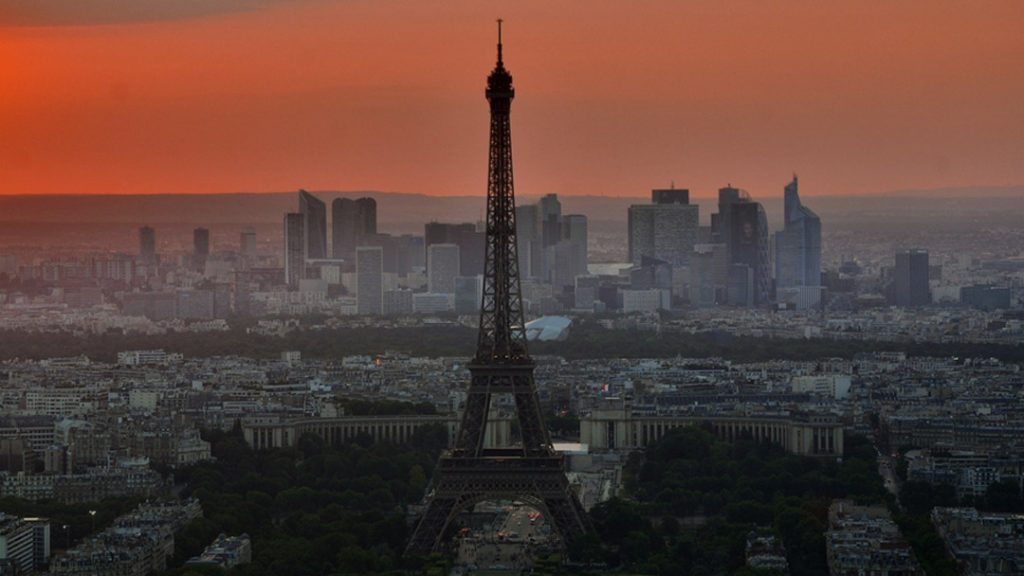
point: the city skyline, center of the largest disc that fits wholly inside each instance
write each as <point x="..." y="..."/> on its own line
<point x="740" y="385"/>
<point x="916" y="95"/>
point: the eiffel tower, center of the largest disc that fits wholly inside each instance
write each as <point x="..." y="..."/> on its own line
<point x="531" y="472"/>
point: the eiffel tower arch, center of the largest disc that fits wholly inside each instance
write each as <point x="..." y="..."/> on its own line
<point x="530" y="472"/>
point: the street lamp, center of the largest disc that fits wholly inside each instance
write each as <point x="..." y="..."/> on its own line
<point x="92" y="514"/>
<point x="67" y="537"/>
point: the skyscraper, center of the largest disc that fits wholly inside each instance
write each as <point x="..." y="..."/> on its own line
<point x="549" y="213"/>
<point x="370" y="280"/>
<point x="910" y="282"/>
<point x="720" y="222"/>
<point x="567" y="259"/>
<point x="709" y="275"/>
<point x="442" y="268"/>
<point x="798" y="252"/>
<point x="466" y="237"/>
<point x="670" y="196"/>
<point x="353" y="221"/>
<point x="314" y="214"/>
<point x="468" y="291"/>
<point x="247" y="243"/>
<point x="742" y="226"/>
<point x="410" y="254"/>
<point x="552" y="248"/>
<point x="147" y="245"/>
<point x="575" y="230"/>
<point x="666" y="229"/>
<point x="526" y="235"/>
<point x="748" y="246"/>
<point x="294" y="248"/>
<point x="200" y="248"/>
<point x="798" y="245"/>
<point x="389" y="244"/>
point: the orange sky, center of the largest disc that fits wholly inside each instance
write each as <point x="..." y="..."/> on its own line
<point x="613" y="97"/>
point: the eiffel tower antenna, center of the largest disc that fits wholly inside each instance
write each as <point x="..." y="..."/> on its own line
<point x="499" y="39"/>
<point x="472" y="472"/>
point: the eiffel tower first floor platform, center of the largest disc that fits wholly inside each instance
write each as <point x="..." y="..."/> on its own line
<point x="461" y="483"/>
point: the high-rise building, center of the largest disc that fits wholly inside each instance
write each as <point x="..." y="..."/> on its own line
<point x="910" y="281"/>
<point x="547" y="229"/>
<point x="465" y="235"/>
<point x="442" y="268"/>
<point x="314" y="214"/>
<point x="798" y="253"/>
<point x="409" y="254"/>
<point x="985" y="297"/>
<point x="200" y="248"/>
<point x="147" y="245"/>
<point x="468" y="292"/>
<point x="651" y="274"/>
<point x="798" y="245"/>
<point x="552" y="248"/>
<point x="666" y="229"/>
<point x="741" y="288"/>
<point x="472" y="246"/>
<point x="370" y="280"/>
<point x="670" y="196"/>
<point x="741" y="225"/>
<point x="720" y="222"/>
<point x="709" y="275"/>
<point x="748" y="246"/>
<point x="353" y="221"/>
<point x="574" y="232"/>
<point x="549" y="214"/>
<point x="247" y="243"/>
<point x="398" y="302"/>
<point x="294" y="248"/>
<point x="389" y="244"/>
<point x="562" y="259"/>
<point x="526" y="233"/>
<point x="585" y="292"/>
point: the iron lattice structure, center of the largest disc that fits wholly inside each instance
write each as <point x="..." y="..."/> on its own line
<point x="531" y="472"/>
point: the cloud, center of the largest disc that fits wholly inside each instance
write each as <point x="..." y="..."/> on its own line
<point x="99" y="12"/>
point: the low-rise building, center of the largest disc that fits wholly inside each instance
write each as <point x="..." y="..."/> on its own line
<point x="138" y="543"/>
<point x="864" y="540"/>
<point x="24" y="542"/>
<point x="615" y="425"/>
<point x="225" y="552"/>
<point x="983" y="543"/>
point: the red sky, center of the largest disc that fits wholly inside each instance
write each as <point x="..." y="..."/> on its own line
<point x="613" y="97"/>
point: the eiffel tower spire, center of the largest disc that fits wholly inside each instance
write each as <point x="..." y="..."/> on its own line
<point x="530" y="471"/>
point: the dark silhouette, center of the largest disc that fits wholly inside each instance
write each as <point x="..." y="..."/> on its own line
<point x="531" y="472"/>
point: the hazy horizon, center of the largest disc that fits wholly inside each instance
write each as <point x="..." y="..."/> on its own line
<point x="976" y="191"/>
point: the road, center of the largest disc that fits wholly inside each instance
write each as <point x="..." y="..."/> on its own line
<point x="510" y="548"/>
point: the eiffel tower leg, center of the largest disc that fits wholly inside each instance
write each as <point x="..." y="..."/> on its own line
<point x="568" y="517"/>
<point x="531" y="422"/>
<point x="431" y="526"/>
<point x="470" y="439"/>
